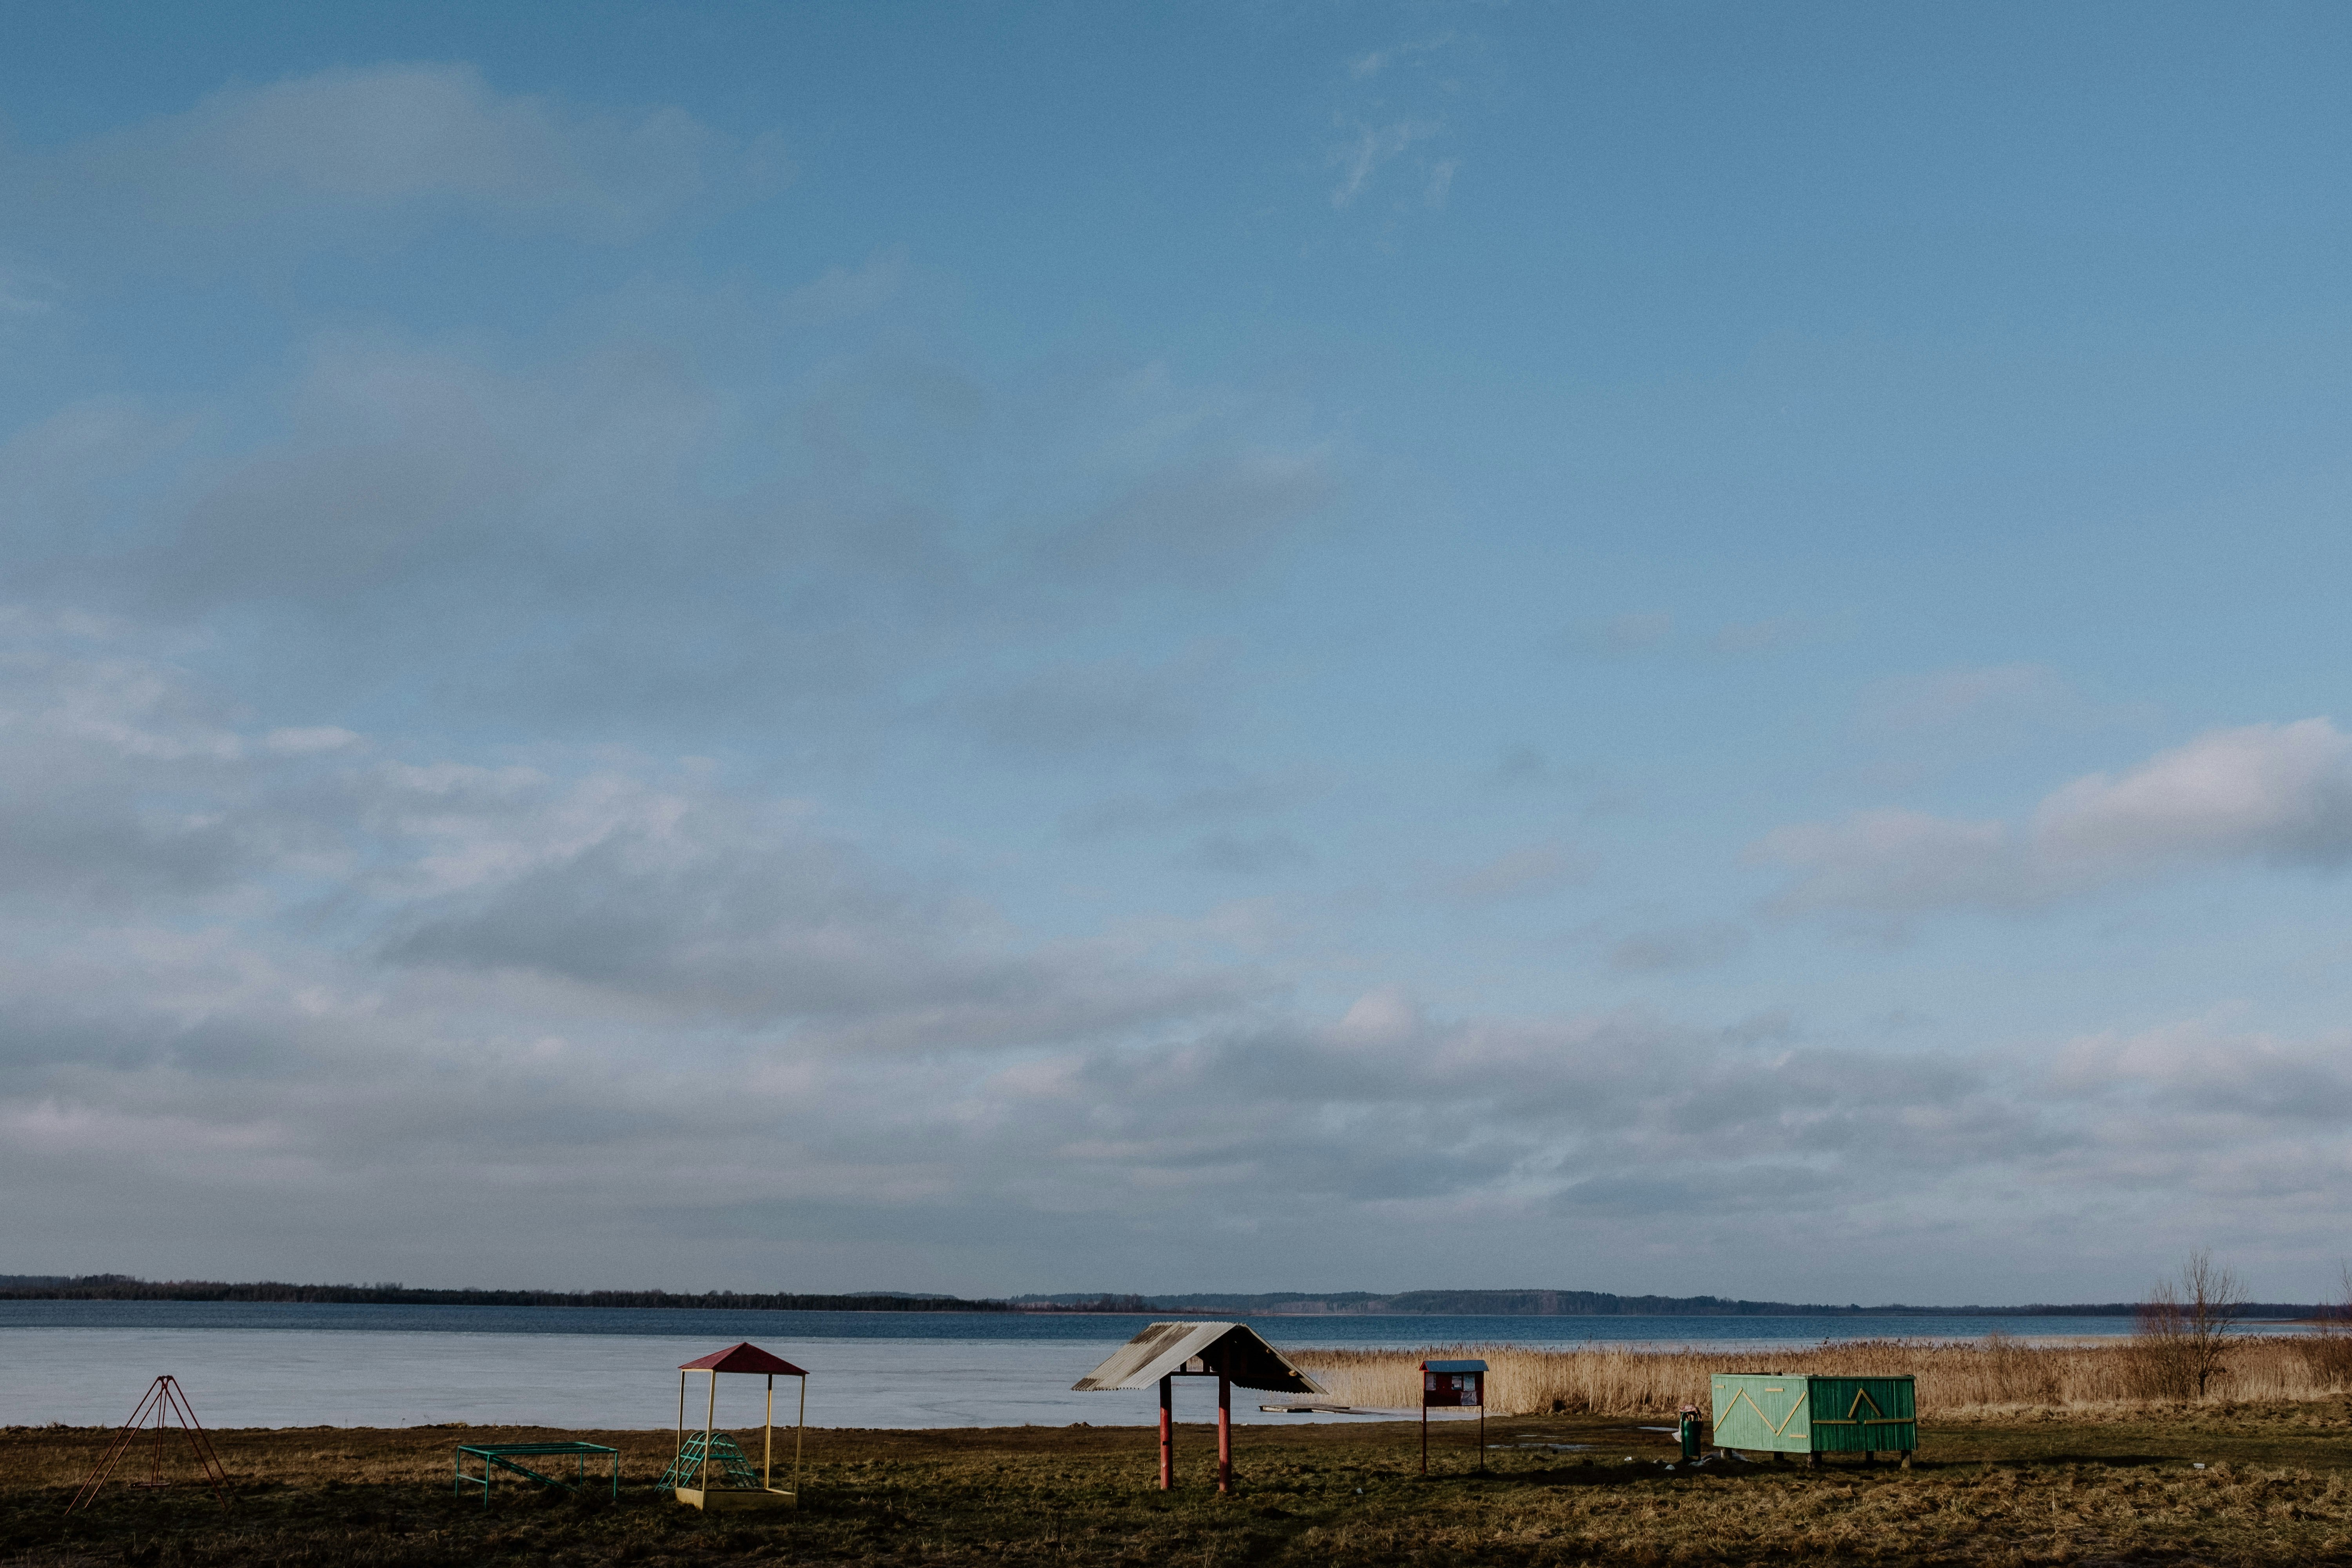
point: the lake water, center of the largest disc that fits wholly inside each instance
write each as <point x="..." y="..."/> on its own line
<point x="86" y="1363"/>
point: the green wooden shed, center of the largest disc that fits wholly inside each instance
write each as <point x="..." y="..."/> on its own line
<point x="1778" y="1413"/>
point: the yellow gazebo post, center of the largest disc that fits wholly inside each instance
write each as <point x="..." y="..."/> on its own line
<point x="748" y="1358"/>
<point x="768" y="1450"/>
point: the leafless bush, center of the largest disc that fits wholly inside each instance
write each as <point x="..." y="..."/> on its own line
<point x="2186" y="1330"/>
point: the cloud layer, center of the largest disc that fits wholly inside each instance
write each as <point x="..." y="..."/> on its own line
<point x="2278" y="794"/>
<point x="259" y="970"/>
<point x="533" y="681"/>
<point x="335" y="156"/>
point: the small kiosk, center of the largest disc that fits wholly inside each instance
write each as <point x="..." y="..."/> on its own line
<point x="1452" y="1385"/>
<point x="738" y="1487"/>
<point x="1229" y="1353"/>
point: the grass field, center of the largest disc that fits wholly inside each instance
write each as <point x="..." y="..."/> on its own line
<point x="2050" y="1489"/>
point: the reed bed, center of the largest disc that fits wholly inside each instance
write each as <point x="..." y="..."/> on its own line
<point x="1990" y="1376"/>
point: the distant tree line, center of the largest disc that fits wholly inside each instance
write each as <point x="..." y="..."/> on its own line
<point x="1133" y="1305"/>
<point x="123" y="1287"/>
<point x="1593" y="1303"/>
<point x="1286" y="1303"/>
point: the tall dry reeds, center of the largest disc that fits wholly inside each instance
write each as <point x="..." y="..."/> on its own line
<point x="2327" y="1349"/>
<point x="1962" y="1377"/>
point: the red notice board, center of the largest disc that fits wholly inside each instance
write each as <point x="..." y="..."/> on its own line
<point x="1452" y="1384"/>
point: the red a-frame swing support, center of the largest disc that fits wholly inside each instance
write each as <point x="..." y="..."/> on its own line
<point x="164" y="1398"/>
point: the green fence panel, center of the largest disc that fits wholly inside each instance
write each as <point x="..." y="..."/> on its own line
<point x="1785" y="1414"/>
<point x="1863" y="1416"/>
<point x="1760" y="1412"/>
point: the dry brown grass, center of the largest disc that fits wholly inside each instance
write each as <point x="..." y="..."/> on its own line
<point x="1986" y="1495"/>
<point x="1963" y="1378"/>
<point x="1560" y="1493"/>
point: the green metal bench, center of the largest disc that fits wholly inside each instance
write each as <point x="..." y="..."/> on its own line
<point x="496" y="1457"/>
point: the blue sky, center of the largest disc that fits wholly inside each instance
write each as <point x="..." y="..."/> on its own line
<point x="1268" y="646"/>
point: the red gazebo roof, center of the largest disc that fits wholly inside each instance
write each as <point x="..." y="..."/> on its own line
<point x="744" y="1357"/>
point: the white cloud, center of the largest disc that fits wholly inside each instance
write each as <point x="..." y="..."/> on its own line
<point x="334" y="154"/>
<point x="404" y="467"/>
<point x="661" y="1020"/>
<point x="64" y="477"/>
<point x="1679" y="948"/>
<point x="2277" y="793"/>
<point x="24" y="293"/>
<point x="1620" y="635"/>
<point x="1212" y="513"/>
<point x="1247" y="853"/>
<point x="1372" y="62"/>
<point x="1441" y="183"/>
<point x="1762" y="636"/>
<point x="309" y="739"/>
<point x="609" y="531"/>
<point x="1393" y="111"/>
<point x="1231" y="797"/>
<point x="2009" y="692"/>
<point x="1529" y="871"/>
<point x="677" y="904"/>
<point x="1387" y="1015"/>
<point x="1108" y="704"/>
<point x="1897" y="861"/>
<point x="842" y="292"/>
<point x="1366" y="149"/>
<point x="124" y="783"/>
<point x="2207" y="1069"/>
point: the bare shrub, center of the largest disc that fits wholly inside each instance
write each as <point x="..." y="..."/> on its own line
<point x="2186" y="1330"/>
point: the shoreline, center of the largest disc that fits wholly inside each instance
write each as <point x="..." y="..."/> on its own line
<point x="343" y="1379"/>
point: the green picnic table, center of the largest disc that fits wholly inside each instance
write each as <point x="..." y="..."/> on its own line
<point x="497" y="1457"/>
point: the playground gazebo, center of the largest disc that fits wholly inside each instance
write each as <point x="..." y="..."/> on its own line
<point x="689" y="1473"/>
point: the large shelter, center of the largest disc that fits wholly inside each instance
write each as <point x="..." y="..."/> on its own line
<point x="697" y="1453"/>
<point x="1229" y="1353"/>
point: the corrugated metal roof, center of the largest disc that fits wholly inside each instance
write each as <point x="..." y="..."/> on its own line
<point x="745" y="1357"/>
<point x="1453" y="1367"/>
<point x="1233" y="1349"/>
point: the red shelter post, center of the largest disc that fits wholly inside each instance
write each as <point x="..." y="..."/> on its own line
<point x="1168" y="1434"/>
<point x="1225" y="1432"/>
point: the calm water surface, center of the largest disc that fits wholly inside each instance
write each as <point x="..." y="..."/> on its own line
<point x="86" y="1362"/>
